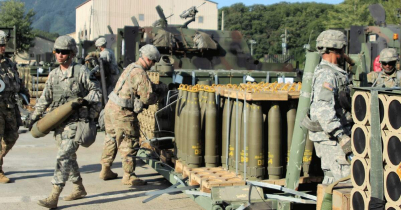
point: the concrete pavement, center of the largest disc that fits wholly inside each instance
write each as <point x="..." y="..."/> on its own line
<point x="30" y="165"/>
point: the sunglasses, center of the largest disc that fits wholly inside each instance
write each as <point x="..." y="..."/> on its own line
<point x="63" y="52"/>
<point x="388" y="63"/>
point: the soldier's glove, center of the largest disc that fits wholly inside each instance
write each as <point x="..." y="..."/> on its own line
<point x="31" y="122"/>
<point x="161" y="89"/>
<point x="77" y="105"/>
<point x="345" y="143"/>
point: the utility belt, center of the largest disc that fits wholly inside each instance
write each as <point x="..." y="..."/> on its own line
<point x="134" y="104"/>
<point x="125" y="103"/>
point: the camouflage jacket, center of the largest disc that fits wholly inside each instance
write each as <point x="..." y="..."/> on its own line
<point x="381" y="79"/>
<point x="72" y="84"/>
<point x="108" y="55"/>
<point x="328" y="79"/>
<point x="135" y="83"/>
<point x="13" y="84"/>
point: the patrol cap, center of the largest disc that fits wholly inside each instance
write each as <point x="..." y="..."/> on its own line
<point x="388" y="54"/>
<point x="150" y="51"/>
<point x="3" y="37"/>
<point x="100" y="42"/>
<point x="330" y="39"/>
<point x="65" y="43"/>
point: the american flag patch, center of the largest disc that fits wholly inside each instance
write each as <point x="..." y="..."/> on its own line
<point x="328" y="86"/>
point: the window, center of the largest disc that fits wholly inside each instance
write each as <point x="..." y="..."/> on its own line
<point x="141" y="17"/>
<point x="200" y="19"/>
<point x="32" y="55"/>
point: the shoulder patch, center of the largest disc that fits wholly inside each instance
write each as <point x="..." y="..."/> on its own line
<point x="328" y="86"/>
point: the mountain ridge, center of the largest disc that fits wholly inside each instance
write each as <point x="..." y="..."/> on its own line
<point x="56" y="16"/>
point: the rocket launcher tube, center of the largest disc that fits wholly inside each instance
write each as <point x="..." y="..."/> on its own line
<point x="299" y="134"/>
<point x="54" y="118"/>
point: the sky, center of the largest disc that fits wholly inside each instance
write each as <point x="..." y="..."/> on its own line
<point x="224" y="3"/>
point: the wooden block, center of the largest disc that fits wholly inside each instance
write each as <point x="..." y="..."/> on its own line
<point x="186" y="171"/>
<point x="341" y="199"/>
<point x="321" y="188"/>
<point x="320" y="193"/>
<point x="178" y="166"/>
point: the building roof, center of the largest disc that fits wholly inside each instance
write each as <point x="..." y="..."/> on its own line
<point x="212" y="2"/>
<point x="82" y="4"/>
<point x="42" y="37"/>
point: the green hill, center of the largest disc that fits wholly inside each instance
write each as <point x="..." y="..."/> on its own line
<point x="55" y="16"/>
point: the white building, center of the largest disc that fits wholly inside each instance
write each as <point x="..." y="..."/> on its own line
<point x="93" y="16"/>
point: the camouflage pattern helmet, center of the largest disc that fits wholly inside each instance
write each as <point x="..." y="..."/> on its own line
<point x="3" y="37"/>
<point x="330" y="39"/>
<point x="100" y="42"/>
<point x="150" y="51"/>
<point x="388" y="54"/>
<point x="66" y="43"/>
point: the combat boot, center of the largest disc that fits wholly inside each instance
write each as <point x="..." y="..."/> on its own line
<point x="51" y="201"/>
<point x="130" y="179"/>
<point x="3" y="178"/>
<point x="107" y="173"/>
<point x="78" y="191"/>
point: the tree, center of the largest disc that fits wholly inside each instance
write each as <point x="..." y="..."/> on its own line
<point x="349" y="13"/>
<point x="392" y="8"/>
<point x="12" y="13"/>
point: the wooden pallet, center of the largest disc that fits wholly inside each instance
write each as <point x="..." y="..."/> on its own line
<point x="280" y="95"/>
<point x="199" y="174"/>
<point x="213" y="177"/>
<point x="221" y="181"/>
<point x="302" y="180"/>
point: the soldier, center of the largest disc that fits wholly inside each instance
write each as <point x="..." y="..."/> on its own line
<point x="132" y="91"/>
<point x="330" y="131"/>
<point x="66" y="82"/>
<point x="109" y="61"/>
<point x="389" y="76"/>
<point x="10" y="118"/>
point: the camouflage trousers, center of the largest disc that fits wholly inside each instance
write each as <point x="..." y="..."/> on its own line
<point x="122" y="134"/>
<point x="67" y="168"/>
<point x="333" y="160"/>
<point x="8" y="132"/>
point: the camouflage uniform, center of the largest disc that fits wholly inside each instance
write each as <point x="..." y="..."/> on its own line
<point x="61" y="87"/>
<point x="383" y="78"/>
<point x="122" y="128"/>
<point x="328" y="80"/>
<point x="9" y="111"/>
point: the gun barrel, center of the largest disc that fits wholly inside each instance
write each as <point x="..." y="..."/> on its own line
<point x="201" y="4"/>
<point x="160" y="12"/>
